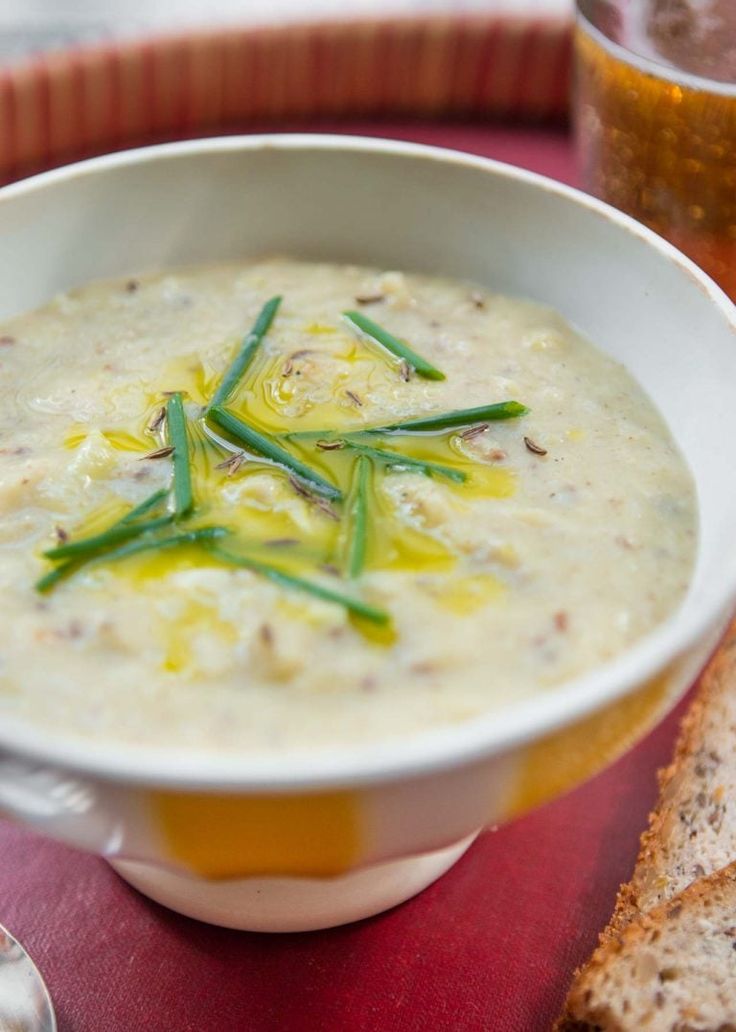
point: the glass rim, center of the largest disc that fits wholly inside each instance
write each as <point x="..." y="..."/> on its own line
<point x="650" y="65"/>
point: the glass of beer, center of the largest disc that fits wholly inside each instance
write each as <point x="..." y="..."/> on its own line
<point x="655" y="110"/>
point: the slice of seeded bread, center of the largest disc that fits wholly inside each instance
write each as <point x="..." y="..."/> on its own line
<point x="671" y="970"/>
<point x="685" y="867"/>
<point x="692" y="831"/>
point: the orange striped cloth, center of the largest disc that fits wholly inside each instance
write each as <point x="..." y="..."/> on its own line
<point x="64" y="105"/>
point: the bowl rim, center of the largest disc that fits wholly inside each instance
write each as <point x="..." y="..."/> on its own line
<point x="427" y="752"/>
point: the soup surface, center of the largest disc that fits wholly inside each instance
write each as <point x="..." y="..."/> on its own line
<point x="301" y="572"/>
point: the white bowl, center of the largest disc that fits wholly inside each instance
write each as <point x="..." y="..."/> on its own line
<point x="336" y="835"/>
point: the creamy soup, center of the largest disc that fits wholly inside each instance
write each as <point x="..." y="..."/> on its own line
<point x="218" y="528"/>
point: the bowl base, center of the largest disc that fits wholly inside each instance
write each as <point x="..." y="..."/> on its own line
<point x="292" y="904"/>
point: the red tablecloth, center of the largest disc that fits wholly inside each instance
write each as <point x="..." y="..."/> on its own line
<point x="491" y="946"/>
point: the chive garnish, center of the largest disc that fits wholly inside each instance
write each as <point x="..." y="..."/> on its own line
<point x="133" y="534"/>
<point x="460" y="417"/>
<point x="187" y="537"/>
<point x="394" y="345"/>
<point x="144" y="507"/>
<point x="396" y="459"/>
<point x="358" y="527"/>
<point x="265" y="446"/>
<point x="248" y="348"/>
<point x="287" y="580"/>
<point x="53" y="577"/>
<point x="176" y="432"/>
<point x="443" y="421"/>
<point x="63" y="570"/>
<point x="98" y="543"/>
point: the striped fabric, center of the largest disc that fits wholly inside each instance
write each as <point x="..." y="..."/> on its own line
<point x="70" y="104"/>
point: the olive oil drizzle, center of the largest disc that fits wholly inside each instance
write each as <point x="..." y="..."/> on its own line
<point x="333" y="470"/>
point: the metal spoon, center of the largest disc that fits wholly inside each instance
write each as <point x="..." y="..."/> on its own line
<point x="25" y="1004"/>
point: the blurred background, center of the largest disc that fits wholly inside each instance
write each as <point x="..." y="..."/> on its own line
<point x="28" y="26"/>
<point x="83" y="77"/>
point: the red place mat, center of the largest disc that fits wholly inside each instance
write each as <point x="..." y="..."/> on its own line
<point x="491" y="946"/>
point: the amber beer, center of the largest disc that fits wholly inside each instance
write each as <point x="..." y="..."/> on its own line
<point x="657" y="137"/>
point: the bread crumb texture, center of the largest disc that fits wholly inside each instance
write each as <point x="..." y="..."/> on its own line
<point x="671" y="970"/>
